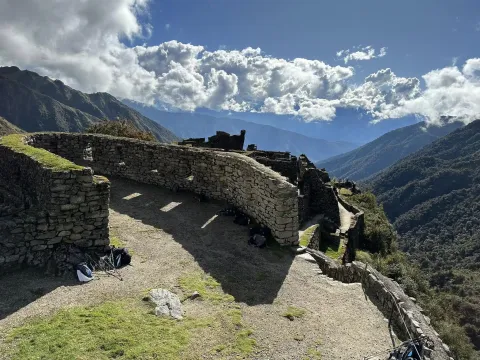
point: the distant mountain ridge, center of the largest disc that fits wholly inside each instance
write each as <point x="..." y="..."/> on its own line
<point x="38" y="103"/>
<point x="266" y="137"/>
<point x="371" y="158"/>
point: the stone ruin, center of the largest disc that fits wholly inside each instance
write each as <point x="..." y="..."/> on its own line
<point x="222" y="140"/>
<point x="50" y="209"/>
<point x="51" y="216"/>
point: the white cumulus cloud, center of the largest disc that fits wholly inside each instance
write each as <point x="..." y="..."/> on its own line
<point x="365" y="53"/>
<point x="88" y="45"/>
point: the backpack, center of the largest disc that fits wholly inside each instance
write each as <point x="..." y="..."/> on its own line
<point x="84" y="273"/>
<point x="121" y="257"/>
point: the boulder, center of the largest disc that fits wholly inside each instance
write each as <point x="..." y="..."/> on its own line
<point x="168" y="304"/>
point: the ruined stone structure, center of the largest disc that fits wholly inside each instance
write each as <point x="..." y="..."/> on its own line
<point x="222" y="140"/>
<point x="316" y="195"/>
<point x="281" y="162"/>
<point x="241" y="181"/>
<point x="56" y="212"/>
<point x="71" y="206"/>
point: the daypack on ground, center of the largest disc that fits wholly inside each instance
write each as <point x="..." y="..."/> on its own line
<point x="84" y="273"/>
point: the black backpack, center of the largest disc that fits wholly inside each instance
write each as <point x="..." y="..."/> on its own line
<point x="121" y="257"/>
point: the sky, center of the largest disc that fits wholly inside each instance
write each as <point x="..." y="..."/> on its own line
<point x="309" y="60"/>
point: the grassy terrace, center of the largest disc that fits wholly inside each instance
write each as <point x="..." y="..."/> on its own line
<point x="128" y="329"/>
<point x="16" y="143"/>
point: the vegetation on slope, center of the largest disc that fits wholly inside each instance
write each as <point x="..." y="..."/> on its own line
<point x="433" y="200"/>
<point x="37" y="103"/>
<point x="6" y="128"/>
<point x="379" y="234"/>
<point x="380" y="251"/>
<point x="56" y="163"/>
<point x="379" y="154"/>
<point x="122" y="128"/>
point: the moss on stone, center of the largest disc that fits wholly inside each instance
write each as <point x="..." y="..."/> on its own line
<point x="16" y="143"/>
<point x="307" y="234"/>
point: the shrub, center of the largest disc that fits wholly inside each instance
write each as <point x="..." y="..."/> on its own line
<point x="120" y="128"/>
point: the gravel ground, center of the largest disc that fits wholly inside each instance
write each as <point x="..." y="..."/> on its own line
<point x="172" y="234"/>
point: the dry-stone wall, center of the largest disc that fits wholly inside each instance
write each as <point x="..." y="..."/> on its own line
<point x="59" y="214"/>
<point x="255" y="189"/>
<point x="390" y="298"/>
<point x="281" y="162"/>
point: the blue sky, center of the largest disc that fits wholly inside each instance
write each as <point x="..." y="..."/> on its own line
<point x="333" y="64"/>
<point x="420" y="35"/>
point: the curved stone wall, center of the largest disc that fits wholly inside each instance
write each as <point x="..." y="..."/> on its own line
<point x="253" y="188"/>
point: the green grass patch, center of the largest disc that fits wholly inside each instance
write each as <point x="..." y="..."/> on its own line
<point x="345" y="192"/>
<point x="333" y="249"/>
<point x="206" y="285"/>
<point x="243" y="342"/>
<point x="113" y="330"/>
<point x="307" y="234"/>
<point x="314" y="354"/>
<point x="115" y="241"/>
<point x="293" y="312"/>
<point x="16" y="143"/>
<point x="126" y="330"/>
<point x="363" y="256"/>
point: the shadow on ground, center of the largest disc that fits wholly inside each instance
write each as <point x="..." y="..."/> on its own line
<point x="219" y="246"/>
<point x="22" y="287"/>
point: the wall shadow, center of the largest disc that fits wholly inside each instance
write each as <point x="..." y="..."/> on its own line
<point x="22" y="287"/>
<point x="220" y="247"/>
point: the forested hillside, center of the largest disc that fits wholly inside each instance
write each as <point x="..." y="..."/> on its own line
<point x="433" y="199"/>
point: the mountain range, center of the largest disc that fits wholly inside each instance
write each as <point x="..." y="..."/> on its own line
<point x="38" y="103"/>
<point x="371" y="158"/>
<point x="266" y="137"/>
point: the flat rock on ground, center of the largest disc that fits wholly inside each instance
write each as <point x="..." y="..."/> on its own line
<point x="171" y="235"/>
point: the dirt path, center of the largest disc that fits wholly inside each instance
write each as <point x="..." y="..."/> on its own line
<point x="173" y="234"/>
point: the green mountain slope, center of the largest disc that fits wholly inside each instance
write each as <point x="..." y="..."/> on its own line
<point x="6" y="128"/>
<point x="371" y="158"/>
<point x="433" y="199"/>
<point x="38" y="103"/>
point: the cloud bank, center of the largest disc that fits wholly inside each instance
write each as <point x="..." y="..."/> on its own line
<point x="88" y="45"/>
